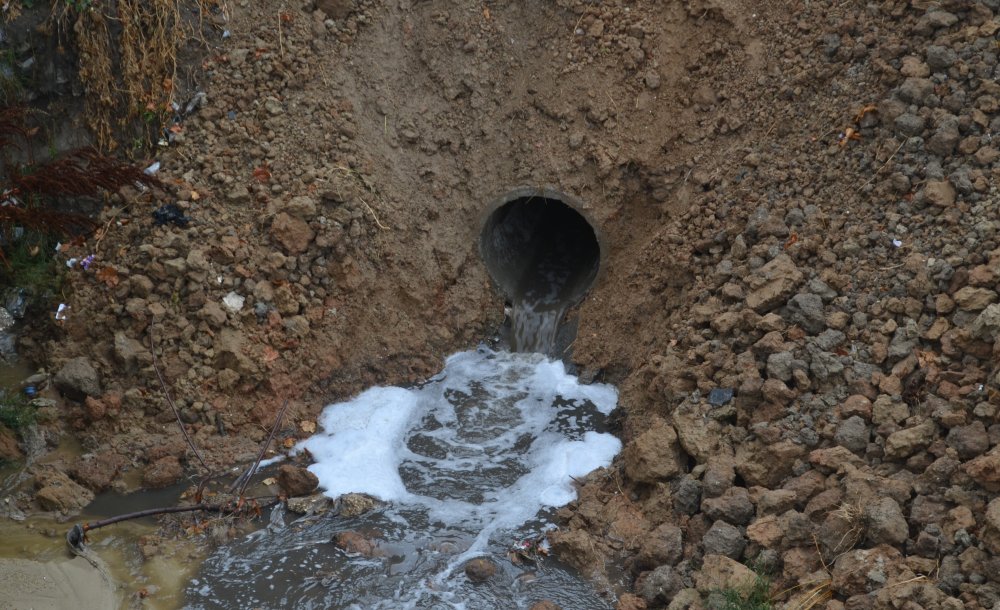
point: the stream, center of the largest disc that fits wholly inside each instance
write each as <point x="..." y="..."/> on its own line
<point x="469" y="464"/>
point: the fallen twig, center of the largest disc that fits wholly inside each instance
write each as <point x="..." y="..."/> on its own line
<point x="77" y="535"/>
<point x="244" y="479"/>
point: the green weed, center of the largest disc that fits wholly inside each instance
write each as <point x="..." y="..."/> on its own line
<point x="752" y="596"/>
<point x="16" y="411"/>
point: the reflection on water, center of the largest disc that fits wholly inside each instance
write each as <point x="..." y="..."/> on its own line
<point x="471" y="463"/>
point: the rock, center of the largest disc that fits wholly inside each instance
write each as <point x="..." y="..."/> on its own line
<point x="806" y="310"/>
<point x="991" y="526"/>
<point x="57" y="492"/>
<point x="355" y="505"/>
<point x="686" y="599"/>
<point x="654" y="455"/>
<point x="660" y="585"/>
<point x="863" y="570"/>
<point x="480" y="569"/>
<point x="985" y="470"/>
<point x="733" y="506"/>
<point x="98" y="471"/>
<point x="886" y="523"/>
<point x="904" y="443"/>
<point x="162" y="473"/>
<point x="719" y="476"/>
<point x="766" y="531"/>
<point x="915" y="90"/>
<point x="213" y="314"/>
<point x="130" y="353"/>
<point x="687" y="496"/>
<point x="316" y="504"/>
<point x="719" y="573"/>
<point x="779" y="366"/>
<point x="772" y="284"/>
<point x="853" y="434"/>
<point x="987" y="325"/>
<point x="969" y="441"/>
<point x="701" y="437"/>
<point x="903" y="340"/>
<point x="630" y="601"/>
<point x="724" y="539"/>
<point x="354" y="543"/>
<point x="336" y="9"/>
<point x="974" y="299"/>
<point x="769" y="465"/>
<point x="78" y="379"/>
<point x="940" y="193"/>
<point x="296" y="481"/>
<point x="302" y="207"/>
<point x="229" y="352"/>
<point x="545" y="605"/>
<point x="909" y="125"/>
<point x="293" y="234"/>
<point x="664" y="546"/>
<point x="940" y="58"/>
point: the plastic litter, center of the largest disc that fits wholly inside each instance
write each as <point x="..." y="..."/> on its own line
<point x="62" y="312"/>
<point x="170" y="213"/>
<point x="72" y="262"/>
<point x="152" y="169"/>
<point x="897" y="243"/>
<point x="87" y="262"/>
<point x="720" y="396"/>
<point x="233" y="302"/>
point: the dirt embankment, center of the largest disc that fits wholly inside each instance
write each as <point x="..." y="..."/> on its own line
<point x="799" y="302"/>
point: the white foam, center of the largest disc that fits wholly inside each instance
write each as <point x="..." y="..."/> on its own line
<point x="488" y="442"/>
<point x="358" y="448"/>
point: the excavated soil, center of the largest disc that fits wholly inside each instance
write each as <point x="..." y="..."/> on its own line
<point x="798" y="204"/>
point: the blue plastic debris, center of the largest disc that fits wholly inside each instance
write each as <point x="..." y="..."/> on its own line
<point x="720" y="396"/>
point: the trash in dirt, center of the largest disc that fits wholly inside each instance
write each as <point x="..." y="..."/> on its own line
<point x="231" y="115"/>
<point x="170" y="213"/>
<point x="226" y="34"/>
<point x="62" y="312"/>
<point x="196" y="102"/>
<point x="72" y="262"/>
<point x="233" y="302"/>
<point x="152" y="169"/>
<point x="897" y="243"/>
<point x="87" y="262"/>
<point x="720" y="396"/>
<point x="30" y="391"/>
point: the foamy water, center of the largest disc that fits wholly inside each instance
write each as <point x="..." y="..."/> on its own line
<point x="468" y="463"/>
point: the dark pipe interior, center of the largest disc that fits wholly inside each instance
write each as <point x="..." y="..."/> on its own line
<point x="540" y="250"/>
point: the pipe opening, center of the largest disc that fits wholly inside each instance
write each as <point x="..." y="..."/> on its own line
<point x="543" y="256"/>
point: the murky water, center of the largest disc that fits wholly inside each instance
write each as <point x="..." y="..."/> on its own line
<point x="470" y="464"/>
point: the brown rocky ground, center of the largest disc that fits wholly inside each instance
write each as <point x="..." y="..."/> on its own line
<point x="799" y="204"/>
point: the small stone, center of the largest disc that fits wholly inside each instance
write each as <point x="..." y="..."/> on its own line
<point x="853" y="434"/>
<point x="293" y="234"/>
<point x="78" y="379"/>
<point x="480" y="569"/>
<point x="724" y="539"/>
<point x="906" y="442"/>
<point x="296" y="481"/>
<point x="354" y="543"/>
<point x="969" y="441"/>
<point x="660" y="585"/>
<point x="653" y="455"/>
<point x="940" y="193"/>
<point x="719" y="572"/>
<point x="970" y="298"/>
<point x="885" y="521"/>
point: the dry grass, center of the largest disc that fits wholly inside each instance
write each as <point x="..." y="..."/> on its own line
<point x="128" y="63"/>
